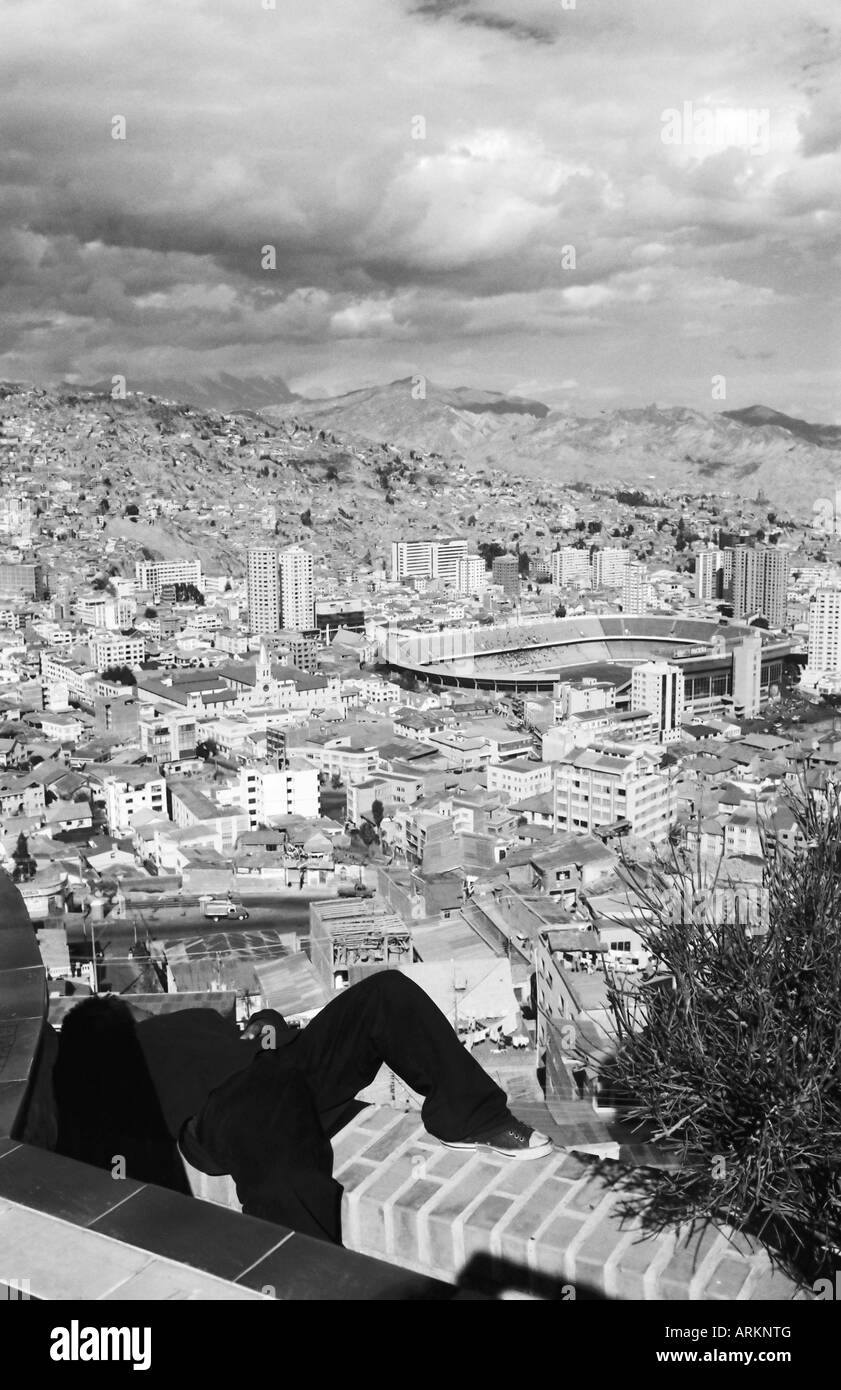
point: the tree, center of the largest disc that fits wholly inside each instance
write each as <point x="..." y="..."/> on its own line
<point x="132" y="509"/>
<point x="207" y="749"/>
<point x="120" y="675"/>
<point x="150" y="612"/>
<point x="735" y="1058"/>
<point x="523" y="563"/>
<point x="377" y="813"/>
<point x="103" y="506"/>
<point x="560" y="611"/>
<point x="306" y="517"/>
<point x="188" y="593"/>
<point x="489" y="551"/>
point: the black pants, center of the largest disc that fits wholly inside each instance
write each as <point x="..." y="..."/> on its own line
<point x="267" y="1125"/>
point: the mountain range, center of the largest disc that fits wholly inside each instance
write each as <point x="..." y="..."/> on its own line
<point x="223" y="391"/>
<point x="754" y="452"/>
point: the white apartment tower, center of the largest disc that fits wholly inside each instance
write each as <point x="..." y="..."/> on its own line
<point x="470" y="577"/>
<point x="657" y="686"/>
<point x="297" y="589"/>
<point x="263" y="590"/>
<point x="447" y="560"/>
<point x="747" y="674"/>
<point x="709" y="573"/>
<point x="825" y="633"/>
<point x="411" y="560"/>
<point x="635" y="588"/>
<point x="571" y="566"/>
<point x="609" y="567"/>
<point x="427" y="559"/>
<point x="760" y="583"/>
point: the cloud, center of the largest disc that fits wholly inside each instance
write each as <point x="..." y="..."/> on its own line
<point x="479" y="186"/>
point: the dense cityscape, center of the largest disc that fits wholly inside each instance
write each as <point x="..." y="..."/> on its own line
<point x="420" y="667"/>
<point x="256" y="769"/>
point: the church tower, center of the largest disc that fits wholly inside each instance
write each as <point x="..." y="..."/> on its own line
<point x="263" y="675"/>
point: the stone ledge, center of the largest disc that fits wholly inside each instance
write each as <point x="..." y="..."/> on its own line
<point x="558" y="1227"/>
<point x="54" y="1259"/>
<point x="73" y="1231"/>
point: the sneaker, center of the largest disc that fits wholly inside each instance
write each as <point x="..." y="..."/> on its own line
<point x="512" y="1139"/>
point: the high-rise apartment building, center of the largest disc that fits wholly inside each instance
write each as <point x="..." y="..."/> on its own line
<point x="825" y="633"/>
<point x="709" y="575"/>
<point x="635" y="588"/>
<point x="506" y="571"/>
<point x="411" y="560"/>
<point x="470" y="576"/>
<point x="609" y="567"/>
<point x="760" y="583"/>
<point x="438" y="559"/>
<point x="571" y="567"/>
<point x="297" y="588"/>
<point x="657" y="686"/>
<point x="263" y="583"/>
<point x="446" y="562"/>
<point x="747" y="675"/>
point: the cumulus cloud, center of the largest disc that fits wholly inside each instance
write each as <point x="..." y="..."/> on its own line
<point x="476" y="189"/>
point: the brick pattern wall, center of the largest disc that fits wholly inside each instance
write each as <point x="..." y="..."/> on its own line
<point x="560" y="1226"/>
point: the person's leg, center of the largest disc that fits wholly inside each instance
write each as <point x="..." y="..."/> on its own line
<point x="262" y="1127"/>
<point x="388" y="1019"/>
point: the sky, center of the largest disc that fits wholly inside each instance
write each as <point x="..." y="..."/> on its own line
<point x="599" y="203"/>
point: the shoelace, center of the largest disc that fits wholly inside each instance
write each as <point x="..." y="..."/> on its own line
<point x="516" y="1129"/>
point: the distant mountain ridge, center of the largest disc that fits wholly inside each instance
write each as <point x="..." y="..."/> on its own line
<point x="825" y="436"/>
<point x="757" y="452"/>
<point x="754" y="452"/>
<point x="223" y="392"/>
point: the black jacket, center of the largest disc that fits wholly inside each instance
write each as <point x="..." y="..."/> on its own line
<point x="132" y="1097"/>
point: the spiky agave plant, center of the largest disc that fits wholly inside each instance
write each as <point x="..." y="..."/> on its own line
<point x="735" y="1058"/>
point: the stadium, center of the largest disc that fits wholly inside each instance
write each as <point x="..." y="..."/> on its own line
<point x="532" y="656"/>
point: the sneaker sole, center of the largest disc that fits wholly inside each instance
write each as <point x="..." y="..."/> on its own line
<point x="518" y="1155"/>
